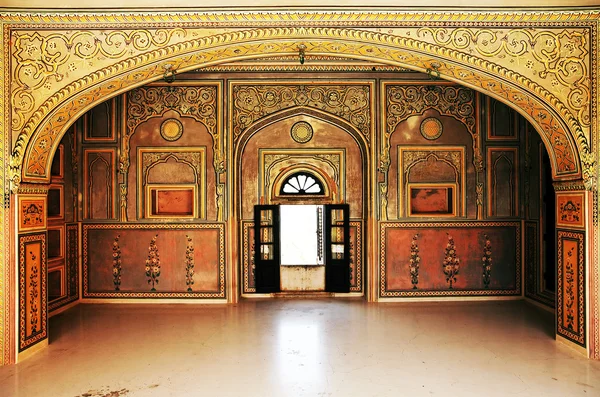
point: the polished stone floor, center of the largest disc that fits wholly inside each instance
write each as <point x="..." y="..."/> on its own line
<point x="283" y="347"/>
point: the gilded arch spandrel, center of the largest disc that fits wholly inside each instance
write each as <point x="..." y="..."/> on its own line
<point x="377" y="42"/>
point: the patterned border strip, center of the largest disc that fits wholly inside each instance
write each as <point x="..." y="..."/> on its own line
<point x="358" y="266"/>
<point x="24" y="341"/>
<point x="579" y="237"/>
<point x="509" y="17"/>
<point x="72" y="269"/>
<point x="246" y="259"/>
<point x="383" y="293"/>
<point x="181" y="295"/>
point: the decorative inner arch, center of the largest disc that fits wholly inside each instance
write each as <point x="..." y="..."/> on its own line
<point x="301" y="183"/>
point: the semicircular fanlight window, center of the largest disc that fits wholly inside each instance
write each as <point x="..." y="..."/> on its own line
<point x="302" y="183"/>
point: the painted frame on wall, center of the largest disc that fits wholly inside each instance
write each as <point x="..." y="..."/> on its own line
<point x="570" y="210"/>
<point x="443" y="206"/>
<point x="56" y="202"/>
<point x="154" y="208"/>
<point x="514" y="182"/>
<point x="32" y="212"/>
<point x="111" y="194"/>
<point x="460" y="202"/>
<point x="221" y="293"/>
<point x="61" y="230"/>
<point x="571" y="286"/>
<point x="489" y="101"/>
<point x="112" y="125"/>
<point x="59" y="158"/>
<point x="63" y="291"/>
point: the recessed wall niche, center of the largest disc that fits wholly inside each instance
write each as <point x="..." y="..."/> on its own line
<point x="173" y="182"/>
<point x="431" y="181"/>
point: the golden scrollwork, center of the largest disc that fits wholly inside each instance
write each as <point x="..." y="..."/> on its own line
<point x="558" y="55"/>
<point x="490" y="77"/>
<point x="350" y="102"/>
<point x="44" y="61"/>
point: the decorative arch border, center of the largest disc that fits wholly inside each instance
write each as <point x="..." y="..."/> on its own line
<point x="328" y="189"/>
<point x="561" y="131"/>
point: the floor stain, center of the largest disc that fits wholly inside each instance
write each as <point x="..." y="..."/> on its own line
<point x="105" y="393"/>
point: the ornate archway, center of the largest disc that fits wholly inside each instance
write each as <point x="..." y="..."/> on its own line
<point x="544" y="66"/>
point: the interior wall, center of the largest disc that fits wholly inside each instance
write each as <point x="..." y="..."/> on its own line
<point x="458" y="184"/>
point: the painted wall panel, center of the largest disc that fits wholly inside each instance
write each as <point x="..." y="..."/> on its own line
<point x="134" y="246"/>
<point x="463" y="244"/>
<point x="33" y="299"/>
<point x="571" y="313"/>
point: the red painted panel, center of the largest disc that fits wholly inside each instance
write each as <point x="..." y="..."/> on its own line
<point x="134" y="243"/>
<point x="434" y="245"/>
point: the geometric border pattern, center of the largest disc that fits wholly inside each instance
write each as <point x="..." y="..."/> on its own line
<point x="180" y="295"/>
<point x="579" y="238"/>
<point x="383" y="293"/>
<point x="24" y="341"/>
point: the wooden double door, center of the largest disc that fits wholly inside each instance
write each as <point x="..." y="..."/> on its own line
<point x="336" y="246"/>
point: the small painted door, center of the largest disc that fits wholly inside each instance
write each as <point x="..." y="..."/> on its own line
<point x="266" y="248"/>
<point x="337" y="248"/>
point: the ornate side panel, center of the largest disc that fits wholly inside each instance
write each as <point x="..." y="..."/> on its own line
<point x="571" y="306"/>
<point x="449" y="259"/>
<point x="32" y="212"/>
<point x="99" y="183"/>
<point x="33" y="315"/>
<point x="570" y="210"/>
<point x="503" y="182"/>
<point x="154" y="260"/>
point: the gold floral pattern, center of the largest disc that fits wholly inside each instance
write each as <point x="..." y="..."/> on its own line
<point x="349" y="102"/>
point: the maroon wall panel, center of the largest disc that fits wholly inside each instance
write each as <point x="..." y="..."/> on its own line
<point x="104" y="245"/>
<point x="438" y="241"/>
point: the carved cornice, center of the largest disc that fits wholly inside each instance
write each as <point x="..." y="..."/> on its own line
<point x="199" y="103"/>
<point x="316" y="17"/>
<point x="403" y="101"/>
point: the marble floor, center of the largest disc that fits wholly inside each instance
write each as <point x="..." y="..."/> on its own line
<point x="304" y="347"/>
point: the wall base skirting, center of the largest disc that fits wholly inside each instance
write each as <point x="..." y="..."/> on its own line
<point x="450" y="299"/>
<point x="540" y="305"/>
<point x="32" y="350"/>
<point x="154" y="301"/>
<point x="573" y="346"/>
<point x="63" y="309"/>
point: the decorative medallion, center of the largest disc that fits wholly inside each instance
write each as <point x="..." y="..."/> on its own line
<point x="171" y="130"/>
<point x="431" y="128"/>
<point x="302" y="132"/>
